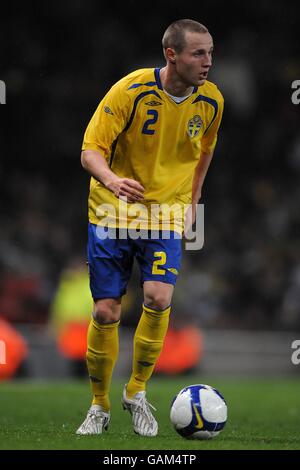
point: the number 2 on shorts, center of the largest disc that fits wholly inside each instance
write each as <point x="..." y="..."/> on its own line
<point x="161" y="261"/>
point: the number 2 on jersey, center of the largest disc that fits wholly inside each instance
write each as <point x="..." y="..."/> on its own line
<point x="149" y="122"/>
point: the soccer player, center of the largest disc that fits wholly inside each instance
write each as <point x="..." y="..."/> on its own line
<point x="150" y="141"/>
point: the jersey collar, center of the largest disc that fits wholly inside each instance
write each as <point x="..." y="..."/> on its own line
<point x="158" y="81"/>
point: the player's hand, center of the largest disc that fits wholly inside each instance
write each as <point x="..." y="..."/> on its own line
<point x="126" y="188"/>
<point x="190" y="217"/>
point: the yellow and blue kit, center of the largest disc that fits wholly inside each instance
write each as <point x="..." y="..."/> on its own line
<point x="146" y="136"/>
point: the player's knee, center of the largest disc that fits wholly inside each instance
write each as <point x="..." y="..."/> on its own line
<point x="157" y="301"/>
<point x="105" y="313"/>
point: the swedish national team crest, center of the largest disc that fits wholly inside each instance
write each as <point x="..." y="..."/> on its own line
<point x="194" y="126"/>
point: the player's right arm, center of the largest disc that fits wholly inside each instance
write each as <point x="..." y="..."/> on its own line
<point x="97" y="166"/>
<point x="108" y="121"/>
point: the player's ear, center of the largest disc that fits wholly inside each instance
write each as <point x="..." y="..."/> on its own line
<point x="170" y="55"/>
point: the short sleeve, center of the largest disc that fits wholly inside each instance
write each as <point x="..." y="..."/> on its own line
<point x="210" y="136"/>
<point x="108" y="121"/>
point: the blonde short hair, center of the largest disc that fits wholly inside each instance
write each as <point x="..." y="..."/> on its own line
<point x="174" y="35"/>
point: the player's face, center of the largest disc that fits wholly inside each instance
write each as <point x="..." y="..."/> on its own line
<point x="194" y="61"/>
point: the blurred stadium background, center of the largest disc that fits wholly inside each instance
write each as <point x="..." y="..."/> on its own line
<point x="236" y="308"/>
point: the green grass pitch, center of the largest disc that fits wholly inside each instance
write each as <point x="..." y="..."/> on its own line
<point x="263" y="414"/>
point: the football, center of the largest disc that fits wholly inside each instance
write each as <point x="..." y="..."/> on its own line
<point x="198" y="412"/>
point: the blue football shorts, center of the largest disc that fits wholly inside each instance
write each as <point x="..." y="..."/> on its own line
<point x="110" y="260"/>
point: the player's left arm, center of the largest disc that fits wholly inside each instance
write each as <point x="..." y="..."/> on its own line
<point x="199" y="175"/>
<point x="198" y="180"/>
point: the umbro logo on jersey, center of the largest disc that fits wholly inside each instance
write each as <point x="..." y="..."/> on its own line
<point x="108" y="110"/>
<point x="153" y="103"/>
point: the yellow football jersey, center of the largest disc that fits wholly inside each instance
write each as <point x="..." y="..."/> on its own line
<point x="145" y="135"/>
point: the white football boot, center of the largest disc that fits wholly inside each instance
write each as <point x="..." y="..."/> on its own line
<point x="143" y="420"/>
<point x="95" y="422"/>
